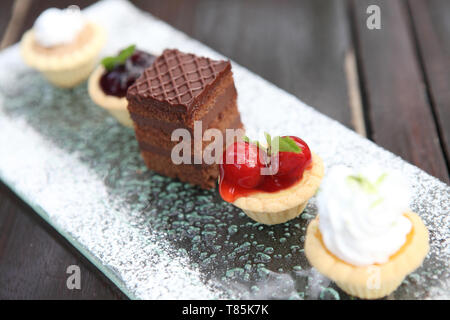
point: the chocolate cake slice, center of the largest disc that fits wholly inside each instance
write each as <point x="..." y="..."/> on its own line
<point x="177" y="90"/>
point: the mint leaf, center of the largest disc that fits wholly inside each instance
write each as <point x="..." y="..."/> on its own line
<point x="363" y="182"/>
<point x="276" y="144"/>
<point x="376" y="203"/>
<point x="111" y="62"/>
<point x="287" y="144"/>
<point x="247" y="139"/>
<point x="126" y="53"/>
<point x="268" y="139"/>
<point x="281" y="144"/>
<point x="284" y="144"/>
<point x="380" y="179"/>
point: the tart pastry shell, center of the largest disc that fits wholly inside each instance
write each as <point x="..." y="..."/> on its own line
<point x="374" y="281"/>
<point x="65" y="70"/>
<point x="284" y="205"/>
<point x="116" y="106"/>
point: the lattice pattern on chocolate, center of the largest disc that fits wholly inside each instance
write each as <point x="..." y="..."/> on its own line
<point x="178" y="77"/>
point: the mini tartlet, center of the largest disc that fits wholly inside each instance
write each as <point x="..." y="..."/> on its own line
<point x="63" y="46"/>
<point x="286" y="204"/>
<point x="108" y="84"/>
<point x="281" y="195"/>
<point x="368" y="240"/>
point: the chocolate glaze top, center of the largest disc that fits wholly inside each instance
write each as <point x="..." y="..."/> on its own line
<point x="178" y="79"/>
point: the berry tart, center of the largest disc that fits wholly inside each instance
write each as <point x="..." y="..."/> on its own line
<point x="271" y="184"/>
<point x="365" y="237"/>
<point x="63" y="45"/>
<point x="109" y="82"/>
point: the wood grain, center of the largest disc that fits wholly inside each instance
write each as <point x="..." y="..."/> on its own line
<point x="34" y="258"/>
<point x="37" y="6"/>
<point x="430" y="18"/>
<point x="400" y="114"/>
<point x="284" y="44"/>
<point x="18" y="13"/>
<point x="5" y="16"/>
<point x="298" y="45"/>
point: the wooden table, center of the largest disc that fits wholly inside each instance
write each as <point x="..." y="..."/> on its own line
<point x="391" y="85"/>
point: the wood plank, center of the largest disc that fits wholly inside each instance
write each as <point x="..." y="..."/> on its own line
<point x="354" y="93"/>
<point x="34" y="258"/>
<point x="6" y="9"/>
<point x="282" y="43"/>
<point x="400" y="116"/>
<point x="35" y="9"/>
<point x="298" y="45"/>
<point x="433" y="38"/>
<point x="5" y="15"/>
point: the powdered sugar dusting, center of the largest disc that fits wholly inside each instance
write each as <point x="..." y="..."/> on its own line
<point x="159" y="238"/>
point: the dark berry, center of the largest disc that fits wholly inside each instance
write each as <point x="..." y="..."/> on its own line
<point x="117" y="81"/>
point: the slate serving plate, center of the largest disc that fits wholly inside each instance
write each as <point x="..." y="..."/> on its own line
<point x="158" y="238"/>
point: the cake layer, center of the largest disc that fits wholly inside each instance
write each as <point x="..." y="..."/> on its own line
<point x="151" y="145"/>
<point x="204" y="176"/>
<point x="164" y="142"/>
<point x="215" y="105"/>
<point x="151" y="109"/>
<point x="228" y="119"/>
<point x="177" y="90"/>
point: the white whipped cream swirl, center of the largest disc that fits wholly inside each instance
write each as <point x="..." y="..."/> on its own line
<point x="361" y="214"/>
<point x="58" y="27"/>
